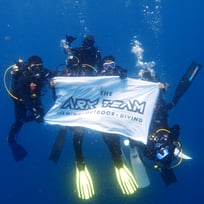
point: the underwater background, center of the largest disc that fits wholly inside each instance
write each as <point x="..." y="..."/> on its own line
<point x="166" y="35"/>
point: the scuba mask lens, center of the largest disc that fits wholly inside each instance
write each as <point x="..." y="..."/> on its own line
<point x="35" y="70"/>
<point x="108" y="65"/>
<point x="147" y="74"/>
<point x="36" y="67"/>
<point x="88" y="40"/>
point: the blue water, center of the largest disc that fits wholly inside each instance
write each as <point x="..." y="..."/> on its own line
<point x="171" y="35"/>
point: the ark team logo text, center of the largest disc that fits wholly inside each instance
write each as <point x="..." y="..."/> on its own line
<point x="88" y="104"/>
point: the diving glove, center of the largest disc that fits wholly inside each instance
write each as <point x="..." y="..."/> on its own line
<point x="70" y="39"/>
<point x="126" y="180"/>
<point x="85" y="188"/>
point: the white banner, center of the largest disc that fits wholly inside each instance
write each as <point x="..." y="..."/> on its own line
<point x="107" y="104"/>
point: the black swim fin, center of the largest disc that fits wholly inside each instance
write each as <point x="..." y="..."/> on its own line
<point x="185" y="82"/>
<point x="58" y="145"/>
<point x="19" y="152"/>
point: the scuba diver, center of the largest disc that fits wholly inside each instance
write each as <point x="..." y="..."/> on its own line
<point x="124" y="176"/>
<point x="87" y="56"/>
<point x="163" y="142"/>
<point x="27" y="81"/>
<point x="81" y="61"/>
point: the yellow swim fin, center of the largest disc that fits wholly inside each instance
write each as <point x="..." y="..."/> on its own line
<point x="126" y="180"/>
<point x="84" y="183"/>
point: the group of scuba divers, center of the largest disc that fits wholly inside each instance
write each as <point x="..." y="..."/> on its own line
<point x="163" y="146"/>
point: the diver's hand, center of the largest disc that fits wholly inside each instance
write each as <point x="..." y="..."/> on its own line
<point x="70" y="39"/>
<point x="37" y="116"/>
<point x="123" y="74"/>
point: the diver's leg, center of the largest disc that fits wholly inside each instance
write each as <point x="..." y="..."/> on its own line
<point x="15" y="128"/>
<point x="19" y="153"/>
<point x="84" y="182"/>
<point x="113" y="143"/>
<point x="77" y="143"/>
<point x="20" y="114"/>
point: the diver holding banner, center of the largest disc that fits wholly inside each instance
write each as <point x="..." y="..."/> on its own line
<point x="163" y="147"/>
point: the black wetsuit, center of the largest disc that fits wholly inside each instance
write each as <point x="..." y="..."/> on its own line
<point x="28" y="106"/>
<point x="165" y="140"/>
<point x="83" y="60"/>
